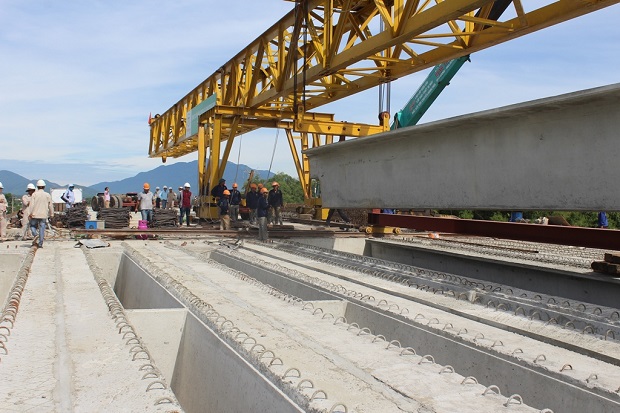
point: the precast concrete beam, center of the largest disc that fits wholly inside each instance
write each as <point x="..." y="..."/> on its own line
<point x="558" y="153"/>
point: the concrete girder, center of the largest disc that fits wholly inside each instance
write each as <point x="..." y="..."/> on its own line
<point x="558" y="153"/>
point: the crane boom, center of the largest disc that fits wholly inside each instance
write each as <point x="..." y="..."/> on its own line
<point x="331" y="49"/>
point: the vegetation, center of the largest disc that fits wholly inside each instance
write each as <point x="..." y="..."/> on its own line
<point x="290" y="187"/>
<point x="13" y="204"/>
<point x="575" y="218"/>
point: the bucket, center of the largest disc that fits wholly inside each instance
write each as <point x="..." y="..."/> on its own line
<point x="142" y="224"/>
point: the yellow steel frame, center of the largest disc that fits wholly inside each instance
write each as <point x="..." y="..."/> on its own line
<point x="345" y="53"/>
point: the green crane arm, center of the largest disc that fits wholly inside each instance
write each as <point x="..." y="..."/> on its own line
<point x="426" y="94"/>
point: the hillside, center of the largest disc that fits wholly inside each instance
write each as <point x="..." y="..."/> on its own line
<point x="16" y="184"/>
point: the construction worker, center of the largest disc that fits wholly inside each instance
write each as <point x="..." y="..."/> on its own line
<point x="186" y="204"/>
<point x="106" y="197"/>
<point x="145" y="203"/>
<point x="4" y="205"/>
<point x="602" y="220"/>
<point x="40" y="209"/>
<point x="69" y="197"/>
<point x="340" y="212"/>
<point x="25" y="204"/>
<point x="251" y="201"/>
<point x="171" y="198"/>
<point x="180" y="196"/>
<point x="219" y="189"/>
<point x="235" y="200"/>
<point x="224" y="205"/>
<point x="263" y="211"/>
<point x="275" y="203"/>
<point x="164" y="197"/>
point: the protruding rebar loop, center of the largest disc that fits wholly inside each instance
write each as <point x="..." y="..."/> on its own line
<point x="515" y="398"/>
<point x="545" y="410"/>
<point x="135" y="355"/>
<point x="418" y="316"/>
<point x="260" y="347"/>
<point x="432" y="321"/>
<point x="306" y="305"/>
<point x="152" y="385"/>
<point x="300" y="385"/>
<point x="503" y="306"/>
<point x="569" y="324"/>
<point x="244" y="342"/>
<point x="446" y="369"/>
<point x="566" y="367"/>
<point x="581" y="307"/>
<point x="273" y="362"/>
<point x="327" y="314"/>
<point x="462" y="331"/>
<point x="551" y="301"/>
<point x="610" y="333"/>
<point x="291" y="370"/>
<point x="341" y="408"/>
<point x="3" y="347"/>
<point x="427" y="358"/>
<point x="591" y="377"/>
<point x="518" y="350"/>
<point x="492" y="389"/>
<point x="319" y="309"/>
<point x="150" y="375"/>
<point x="221" y="319"/>
<point x="147" y="366"/>
<point x="396" y="343"/>
<point x="478" y="337"/>
<point x="6" y="329"/>
<point x="353" y="325"/>
<point x="364" y="330"/>
<point x="552" y="320"/>
<point x="470" y="380"/>
<point x="3" y="338"/>
<point x="447" y="326"/>
<point x="497" y="343"/>
<point x="368" y="298"/>
<point x="379" y="337"/>
<point x="522" y="311"/>
<point x="164" y="400"/>
<point x="540" y="357"/>
<point x="588" y="329"/>
<point x="319" y="394"/>
<point x="132" y="340"/>
<point x="224" y="324"/>
<point x="614" y="316"/>
<point x="402" y="311"/>
<point x="409" y="350"/>
<point x="344" y="320"/>
<point x="566" y="303"/>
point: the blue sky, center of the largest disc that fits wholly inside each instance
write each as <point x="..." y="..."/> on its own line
<point x="79" y="78"/>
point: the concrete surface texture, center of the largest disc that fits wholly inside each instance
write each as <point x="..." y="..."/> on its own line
<point x="556" y="153"/>
<point x="216" y="325"/>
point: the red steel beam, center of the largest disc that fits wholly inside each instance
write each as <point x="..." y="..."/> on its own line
<point x="608" y="239"/>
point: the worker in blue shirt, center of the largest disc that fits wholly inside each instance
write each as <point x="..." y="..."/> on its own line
<point x="251" y="201"/>
<point x="262" y="211"/>
<point x="69" y="197"/>
<point x="235" y="200"/>
<point x="602" y="220"/>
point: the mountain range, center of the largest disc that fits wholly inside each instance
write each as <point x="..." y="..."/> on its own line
<point x="174" y="175"/>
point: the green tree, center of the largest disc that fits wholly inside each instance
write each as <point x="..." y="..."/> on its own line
<point x="290" y="187"/>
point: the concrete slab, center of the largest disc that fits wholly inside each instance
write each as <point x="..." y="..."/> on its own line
<point x="535" y="155"/>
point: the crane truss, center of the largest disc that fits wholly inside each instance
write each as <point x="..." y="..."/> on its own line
<point x="325" y="50"/>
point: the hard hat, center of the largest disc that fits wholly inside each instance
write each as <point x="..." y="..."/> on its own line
<point x="40" y="182"/>
<point x="252" y="185"/>
<point x="180" y="187"/>
<point x="263" y="190"/>
<point x="187" y="185"/>
<point x="30" y="186"/>
<point x="235" y="185"/>
<point x="156" y="187"/>
<point x="165" y="187"/>
<point x="71" y="186"/>
<point x="146" y="186"/>
<point x="274" y="183"/>
<point x="1" y="186"/>
<point x="226" y="192"/>
<point x="222" y="180"/>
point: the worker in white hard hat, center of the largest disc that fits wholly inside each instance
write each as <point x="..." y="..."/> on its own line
<point x="171" y="198"/>
<point x="4" y="205"/>
<point x="40" y="210"/>
<point x="69" y="197"/>
<point x="235" y="201"/>
<point x="157" y="197"/>
<point x="164" y="197"/>
<point x="186" y="203"/>
<point x="25" y="211"/>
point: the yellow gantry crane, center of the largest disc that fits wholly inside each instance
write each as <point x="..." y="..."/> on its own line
<point x="324" y="50"/>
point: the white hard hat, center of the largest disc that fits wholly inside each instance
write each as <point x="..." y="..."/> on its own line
<point x="71" y="185"/>
<point x="30" y="186"/>
<point x="40" y="182"/>
<point x="165" y="187"/>
<point x="1" y="186"/>
<point x="187" y="185"/>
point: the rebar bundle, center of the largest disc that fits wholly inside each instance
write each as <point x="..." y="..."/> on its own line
<point x="76" y="216"/>
<point x="115" y="218"/>
<point x="165" y="218"/>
